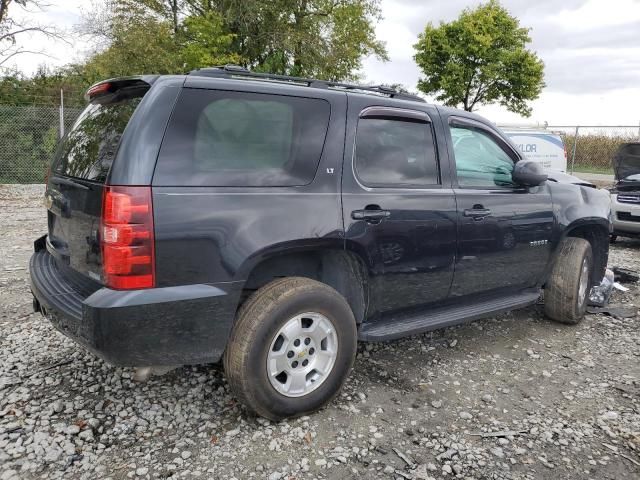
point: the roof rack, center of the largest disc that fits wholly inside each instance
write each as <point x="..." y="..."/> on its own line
<point x="236" y="71"/>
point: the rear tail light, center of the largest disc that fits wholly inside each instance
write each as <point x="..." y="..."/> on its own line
<point x="128" y="256"/>
<point x="98" y="89"/>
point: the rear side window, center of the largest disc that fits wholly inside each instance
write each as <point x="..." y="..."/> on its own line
<point x="395" y="153"/>
<point x="88" y="150"/>
<point x="218" y="138"/>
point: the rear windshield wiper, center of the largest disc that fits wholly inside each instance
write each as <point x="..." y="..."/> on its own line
<point x="68" y="183"/>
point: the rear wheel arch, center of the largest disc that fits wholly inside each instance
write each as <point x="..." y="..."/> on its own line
<point x="343" y="271"/>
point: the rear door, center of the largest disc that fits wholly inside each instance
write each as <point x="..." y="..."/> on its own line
<point x="398" y="205"/>
<point x="79" y="172"/>
<point x="504" y="230"/>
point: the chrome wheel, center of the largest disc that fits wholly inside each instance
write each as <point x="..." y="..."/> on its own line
<point x="302" y="354"/>
<point x="584" y="282"/>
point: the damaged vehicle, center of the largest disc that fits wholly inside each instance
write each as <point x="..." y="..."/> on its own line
<point x="625" y="194"/>
<point x="271" y="222"/>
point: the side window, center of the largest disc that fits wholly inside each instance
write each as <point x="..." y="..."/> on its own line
<point x="480" y="161"/>
<point x="220" y="138"/>
<point x="392" y="153"/>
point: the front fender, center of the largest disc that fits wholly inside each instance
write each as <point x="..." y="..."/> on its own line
<point x="584" y="212"/>
<point x="573" y="203"/>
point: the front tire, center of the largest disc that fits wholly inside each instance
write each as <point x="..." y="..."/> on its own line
<point x="567" y="291"/>
<point x="291" y="348"/>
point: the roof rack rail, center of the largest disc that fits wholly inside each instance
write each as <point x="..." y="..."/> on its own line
<point x="236" y="71"/>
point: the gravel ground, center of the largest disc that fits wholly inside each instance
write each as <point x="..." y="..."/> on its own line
<point x="563" y="402"/>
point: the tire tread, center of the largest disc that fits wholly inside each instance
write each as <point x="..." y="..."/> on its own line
<point x="561" y="290"/>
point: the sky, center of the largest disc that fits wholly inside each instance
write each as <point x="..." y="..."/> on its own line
<point x="591" y="51"/>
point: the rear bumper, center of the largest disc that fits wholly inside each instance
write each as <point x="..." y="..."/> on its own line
<point x="158" y="326"/>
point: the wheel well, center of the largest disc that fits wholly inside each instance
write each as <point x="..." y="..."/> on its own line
<point x="341" y="270"/>
<point x="598" y="237"/>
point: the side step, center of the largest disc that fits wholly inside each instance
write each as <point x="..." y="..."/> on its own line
<point x="403" y="325"/>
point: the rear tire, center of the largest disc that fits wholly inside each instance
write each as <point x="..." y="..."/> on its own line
<point x="567" y="291"/>
<point x="291" y="348"/>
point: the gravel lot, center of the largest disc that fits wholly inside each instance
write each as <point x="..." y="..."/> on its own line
<point x="565" y="401"/>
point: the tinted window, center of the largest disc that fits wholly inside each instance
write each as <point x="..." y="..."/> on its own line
<point x="90" y="146"/>
<point x="395" y="153"/>
<point x="217" y="138"/>
<point x="480" y="161"/>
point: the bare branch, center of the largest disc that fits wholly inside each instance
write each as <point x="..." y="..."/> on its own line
<point x="11" y="35"/>
<point x="12" y="28"/>
<point x="20" y="52"/>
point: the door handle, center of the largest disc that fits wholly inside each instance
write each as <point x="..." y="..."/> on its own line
<point x="477" y="213"/>
<point x="370" y="215"/>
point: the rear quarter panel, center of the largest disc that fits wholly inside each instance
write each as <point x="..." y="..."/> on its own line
<point x="140" y="144"/>
<point x="217" y="234"/>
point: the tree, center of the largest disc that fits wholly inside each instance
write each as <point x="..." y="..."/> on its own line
<point x="43" y="87"/>
<point x="143" y="45"/>
<point x="153" y="36"/>
<point x="480" y="58"/>
<point x="310" y="38"/>
<point x="321" y="38"/>
<point x="203" y="42"/>
<point x="11" y="28"/>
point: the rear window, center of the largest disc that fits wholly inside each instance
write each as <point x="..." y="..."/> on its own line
<point x="218" y="138"/>
<point x="88" y="150"/>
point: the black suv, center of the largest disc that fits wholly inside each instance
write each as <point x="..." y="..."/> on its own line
<point x="271" y="222"/>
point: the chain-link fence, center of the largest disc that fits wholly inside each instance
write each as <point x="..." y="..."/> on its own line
<point x="29" y="135"/>
<point x="28" y="139"/>
<point x="590" y="149"/>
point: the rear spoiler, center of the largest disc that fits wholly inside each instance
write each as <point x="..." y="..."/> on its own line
<point x="115" y="89"/>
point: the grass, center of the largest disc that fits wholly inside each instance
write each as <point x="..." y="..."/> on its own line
<point x="590" y="169"/>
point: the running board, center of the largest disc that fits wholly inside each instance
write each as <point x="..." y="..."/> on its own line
<point x="403" y="325"/>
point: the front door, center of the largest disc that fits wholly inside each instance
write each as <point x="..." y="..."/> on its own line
<point x="398" y="206"/>
<point x="504" y="230"/>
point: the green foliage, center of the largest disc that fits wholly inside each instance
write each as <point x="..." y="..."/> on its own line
<point x="43" y="88"/>
<point x="320" y="38"/>
<point x="139" y="44"/>
<point x="316" y="38"/>
<point x="311" y="38"/>
<point x="480" y="58"/>
<point x="28" y="139"/>
<point x="203" y="42"/>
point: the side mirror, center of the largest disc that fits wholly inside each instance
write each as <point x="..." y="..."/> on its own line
<point x="529" y="173"/>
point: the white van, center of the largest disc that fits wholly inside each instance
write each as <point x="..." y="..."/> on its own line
<point x="542" y="146"/>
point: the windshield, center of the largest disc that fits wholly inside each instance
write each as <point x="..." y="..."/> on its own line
<point x="89" y="148"/>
